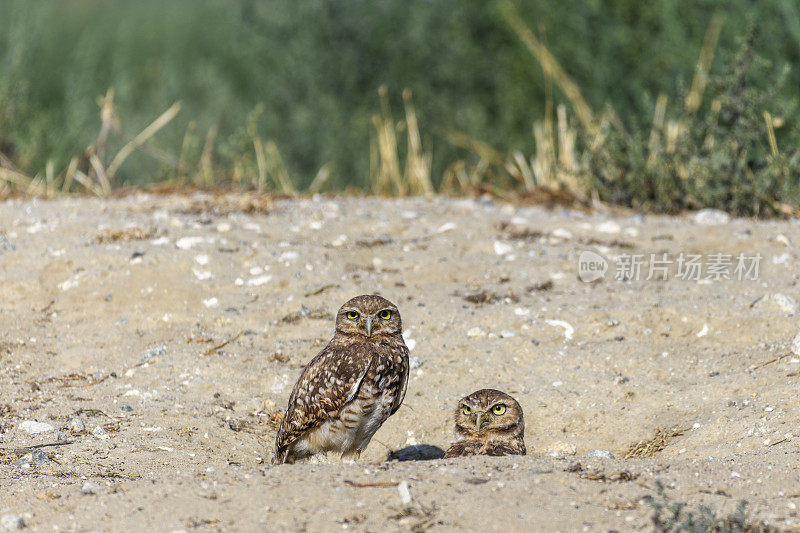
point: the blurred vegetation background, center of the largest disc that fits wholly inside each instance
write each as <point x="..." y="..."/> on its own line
<point x="287" y="95"/>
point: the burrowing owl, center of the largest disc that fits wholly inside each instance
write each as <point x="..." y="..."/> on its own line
<point x="488" y="422"/>
<point x="351" y="387"/>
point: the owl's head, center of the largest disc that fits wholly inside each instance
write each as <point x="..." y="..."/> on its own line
<point x="489" y="413"/>
<point x="369" y="316"/>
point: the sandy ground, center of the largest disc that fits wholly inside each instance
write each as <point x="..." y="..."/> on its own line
<point x="158" y="337"/>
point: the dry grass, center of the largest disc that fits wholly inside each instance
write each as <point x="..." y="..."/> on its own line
<point x="130" y="234"/>
<point x="650" y="447"/>
<point x="568" y="156"/>
<point x="386" y="176"/>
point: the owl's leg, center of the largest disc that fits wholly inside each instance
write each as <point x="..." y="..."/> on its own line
<point x="352" y="456"/>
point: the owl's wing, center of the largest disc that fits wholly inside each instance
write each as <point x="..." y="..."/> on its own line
<point x="403" y="378"/>
<point x="462" y="448"/>
<point x="327" y="383"/>
<point x="505" y="448"/>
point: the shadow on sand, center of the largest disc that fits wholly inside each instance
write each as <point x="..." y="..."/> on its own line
<point x="418" y="452"/>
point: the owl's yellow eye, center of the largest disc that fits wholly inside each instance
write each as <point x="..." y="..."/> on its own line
<point x="352" y="315"/>
<point x="499" y="409"/>
<point x="385" y="314"/>
<point x="467" y="410"/>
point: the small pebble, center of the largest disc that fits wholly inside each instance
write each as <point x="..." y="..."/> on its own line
<point x="12" y="522"/>
<point x="786" y="303"/>
<point x="90" y="487"/>
<point x="32" y="427"/>
<point x="76" y="425"/>
<point x="608" y="227"/>
<point x="561" y="233"/>
<point x="568" y="329"/>
<point x="127" y="408"/>
<point x="187" y="243"/>
<point x="414" y="362"/>
<point x="502" y="248"/>
<point x="796" y="344"/>
<point x="100" y="433"/>
<point x="507" y="333"/>
<point x="476" y="332"/>
<point x="405" y="494"/>
<point x="35" y="457"/>
<point x="260" y="280"/>
<point x="153" y="352"/>
<point x="710" y="217"/>
<point x="604" y="454"/>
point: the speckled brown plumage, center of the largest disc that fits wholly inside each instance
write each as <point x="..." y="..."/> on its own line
<point x="488" y="422"/>
<point x="351" y="387"/>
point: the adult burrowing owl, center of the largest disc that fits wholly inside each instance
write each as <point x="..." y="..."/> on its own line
<point x="351" y="387"/>
<point x="488" y="422"/>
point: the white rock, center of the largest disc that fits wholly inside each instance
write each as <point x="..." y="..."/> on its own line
<point x="261" y="280"/>
<point x="223" y="227"/>
<point x="476" y="332"/>
<point x="796" y="344"/>
<point x="507" y="333"/>
<point x="604" y="454"/>
<point x="187" y="243"/>
<point x="201" y="259"/>
<point x="291" y="255"/>
<point x="11" y="522"/>
<point x="414" y="362"/>
<point x="202" y="275"/>
<point x="568" y="329"/>
<point x="90" y="487"/>
<point x="710" y="217"/>
<point x="782" y="259"/>
<point x="68" y="284"/>
<point x="100" y="433"/>
<point x="211" y="302"/>
<point x="703" y="332"/>
<point x="32" y="427"/>
<point x="783" y="239"/>
<point x="561" y="233"/>
<point x="786" y="303"/>
<point x="405" y="493"/>
<point x="448" y="226"/>
<point x="339" y="241"/>
<point x="502" y="248"/>
<point x="608" y="226"/>
<point x="76" y="425"/>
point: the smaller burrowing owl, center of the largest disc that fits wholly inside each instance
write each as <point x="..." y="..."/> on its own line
<point x="351" y="387"/>
<point x="488" y="422"/>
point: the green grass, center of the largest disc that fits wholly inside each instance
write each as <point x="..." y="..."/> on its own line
<point x="663" y="108"/>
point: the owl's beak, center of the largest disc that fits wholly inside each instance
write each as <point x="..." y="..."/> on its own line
<point x="369" y="326"/>
<point x="478" y="420"/>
